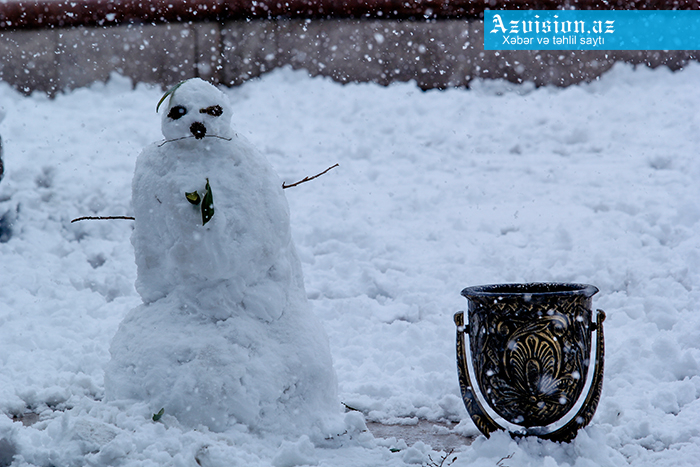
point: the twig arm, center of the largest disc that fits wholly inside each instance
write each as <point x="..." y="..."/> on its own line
<point x="129" y="218"/>
<point x="101" y="218"/>
<point x="308" y="179"/>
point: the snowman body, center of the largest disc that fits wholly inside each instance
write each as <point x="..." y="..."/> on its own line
<point x="225" y="334"/>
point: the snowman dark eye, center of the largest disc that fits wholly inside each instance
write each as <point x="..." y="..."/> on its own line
<point x="214" y="111"/>
<point x="177" y="112"/>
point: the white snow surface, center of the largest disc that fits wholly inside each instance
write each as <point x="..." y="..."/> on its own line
<point x="595" y="183"/>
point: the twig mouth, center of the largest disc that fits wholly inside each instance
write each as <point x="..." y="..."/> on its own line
<point x="187" y="137"/>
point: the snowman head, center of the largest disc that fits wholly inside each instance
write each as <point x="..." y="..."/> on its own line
<point x="196" y="110"/>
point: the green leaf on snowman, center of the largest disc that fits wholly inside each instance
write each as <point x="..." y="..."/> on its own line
<point x="193" y="198"/>
<point x="207" y="204"/>
<point x="170" y="93"/>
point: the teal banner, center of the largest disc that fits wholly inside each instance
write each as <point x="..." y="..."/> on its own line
<point x="591" y="30"/>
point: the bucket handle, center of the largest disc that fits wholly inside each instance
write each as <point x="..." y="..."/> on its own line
<point x="486" y="424"/>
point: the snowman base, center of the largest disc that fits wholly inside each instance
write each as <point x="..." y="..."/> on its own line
<point x="219" y="373"/>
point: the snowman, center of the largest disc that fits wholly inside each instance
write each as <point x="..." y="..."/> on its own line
<point x="225" y="336"/>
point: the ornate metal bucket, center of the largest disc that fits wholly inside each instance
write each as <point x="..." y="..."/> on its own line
<point x="524" y="358"/>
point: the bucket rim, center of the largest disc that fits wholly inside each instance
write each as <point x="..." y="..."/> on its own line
<point x="533" y="289"/>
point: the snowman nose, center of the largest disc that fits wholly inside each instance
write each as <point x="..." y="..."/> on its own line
<point x="198" y="130"/>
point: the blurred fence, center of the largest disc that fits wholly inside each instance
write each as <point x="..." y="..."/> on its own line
<point x="50" y="46"/>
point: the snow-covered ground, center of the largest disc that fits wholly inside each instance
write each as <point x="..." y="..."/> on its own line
<point x="436" y="191"/>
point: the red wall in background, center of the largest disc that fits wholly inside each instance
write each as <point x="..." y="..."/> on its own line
<point x="62" y="13"/>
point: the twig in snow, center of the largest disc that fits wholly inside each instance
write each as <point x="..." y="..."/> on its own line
<point x="351" y="409"/>
<point x="432" y="463"/>
<point x="307" y="179"/>
<point x="101" y="218"/>
<point x="500" y="462"/>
